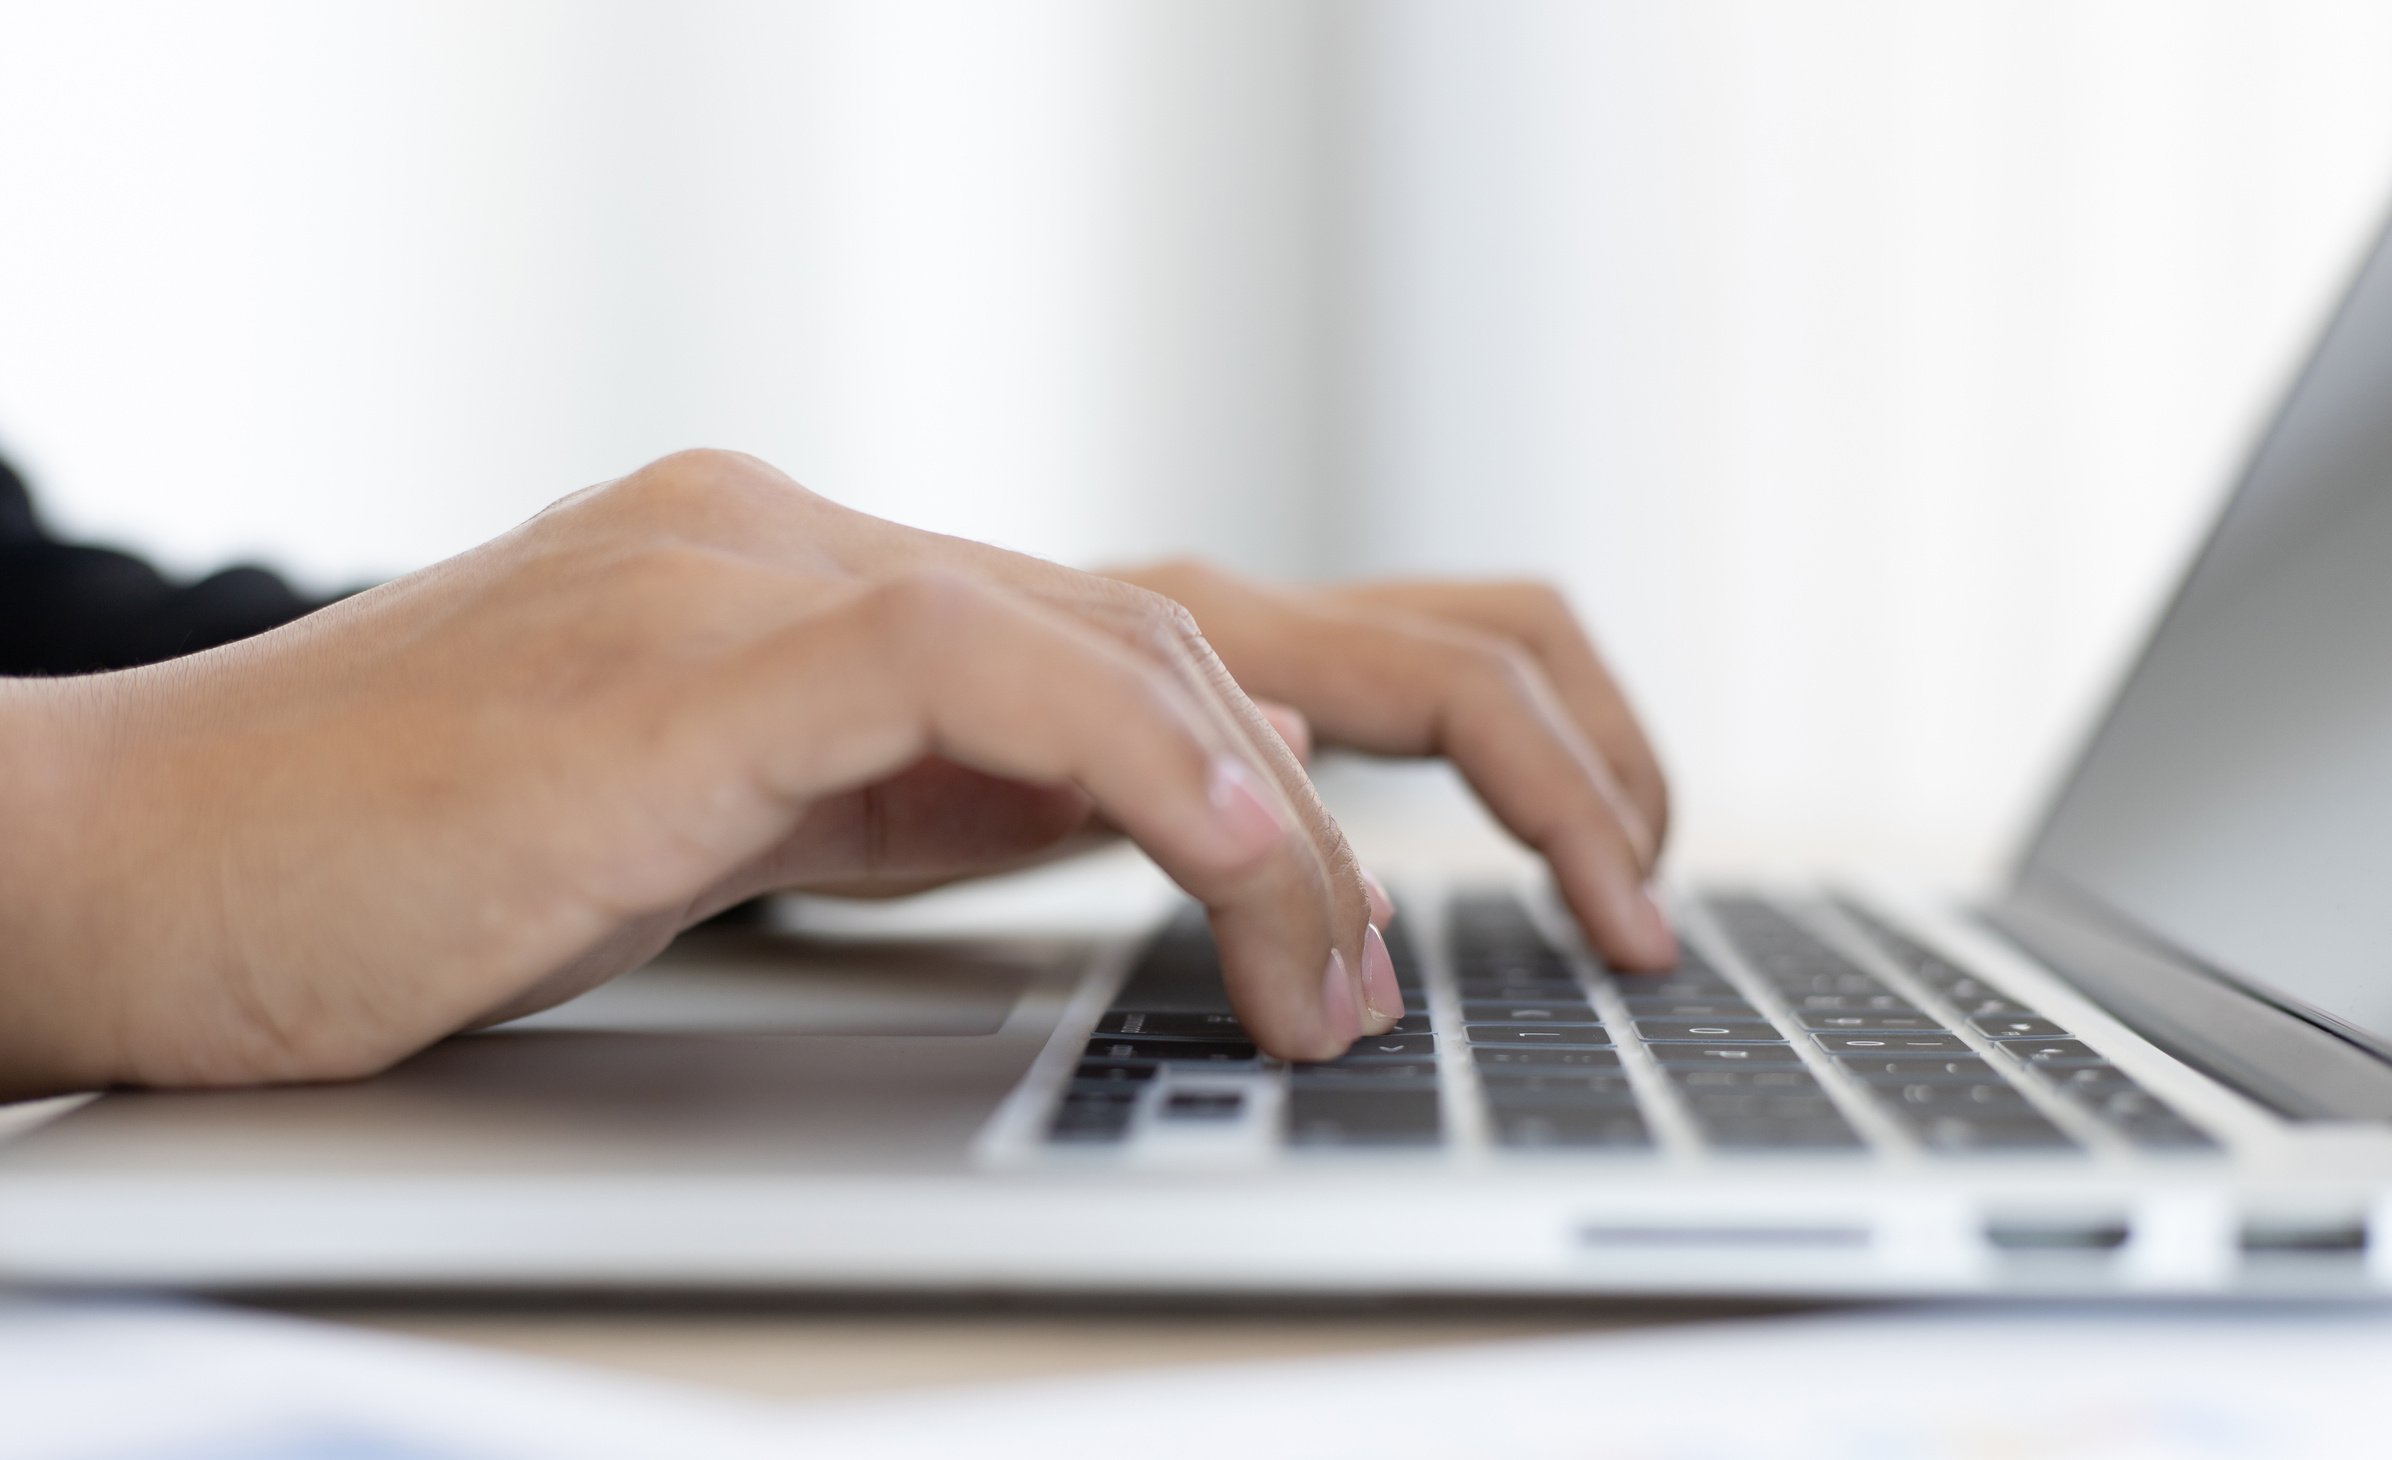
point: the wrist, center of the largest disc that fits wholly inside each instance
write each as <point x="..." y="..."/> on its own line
<point x="60" y="990"/>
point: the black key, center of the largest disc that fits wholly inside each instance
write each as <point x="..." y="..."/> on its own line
<point x="2017" y="1026"/>
<point x="1180" y="970"/>
<point x="1389" y="1049"/>
<point x="2090" y="1082"/>
<point x="1955" y="1099"/>
<point x="1997" y="1132"/>
<point x="1723" y="1077"/>
<point x="1966" y="1069"/>
<point x="1571" y="1129"/>
<point x="1726" y="1031"/>
<point x="1871" y="1023"/>
<point x="2063" y="1053"/>
<point x="1499" y="1057"/>
<point x="1498" y="1011"/>
<point x="1748" y="1056"/>
<point x="1990" y="1007"/>
<point x="1083" y="1118"/>
<point x="1107" y="1047"/>
<point x="1416" y="1022"/>
<point x="1891" y="1045"/>
<point x="2165" y="1130"/>
<point x="2121" y="1104"/>
<point x="1541" y="1036"/>
<point x="1099" y="1073"/>
<point x="1560" y="1095"/>
<point x="1710" y="1105"/>
<point x="1878" y="1003"/>
<point x="1171" y="1024"/>
<point x="1767" y="1133"/>
<point x="1203" y="1105"/>
<point x="1535" y="991"/>
<point x="1510" y="1082"/>
<point x="1420" y="1074"/>
<point x="1846" y="985"/>
<point x="1676" y="1008"/>
<point x="1325" y="1116"/>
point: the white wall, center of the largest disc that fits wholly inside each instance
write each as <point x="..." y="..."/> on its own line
<point x="1863" y="367"/>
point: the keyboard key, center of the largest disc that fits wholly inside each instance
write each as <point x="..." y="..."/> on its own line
<point x="1511" y="1095"/>
<point x="1529" y="990"/>
<point x="2165" y="1130"/>
<point x="1677" y="1008"/>
<point x="1892" y="1044"/>
<point x="1710" y="1105"/>
<point x="1105" y="1047"/>
<point x="1725" y="1077"/>
<point x="1762" y="1133"/>
<point x="1499" y="1057"/>
<point x="1409" y="1074"/>
<point x="1541" y="1036"/>
<point x="1086" y="1118"/>
<point x="1746" y="1055"/>
<point x="1948" y="1134"/>
<point x="1955" y="1099"/>
<point x="1497" y="1011"/>
<point x="1323" y="1116"/>
<point x="1203" y="1105"/>
<point x="1171" y="1024"/>
<point x="1870" y="1023"/>
<point x="2091" y="1081"/>
<point x="1965" y="1069"/>
<point x="1389" y="1048"/>
<point x="1728" y="1031"/>
<point x="1512" y="1082"/>
<point x="1877" y="1003"/>
<point x="2017" y="1026"/>
<point x="2063" y="1053"/>
<point x="1099" y="1073"/>
<point x="1571" y="1129"/>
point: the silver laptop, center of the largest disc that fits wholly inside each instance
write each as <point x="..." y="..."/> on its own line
<point x="2159" y="1061"/>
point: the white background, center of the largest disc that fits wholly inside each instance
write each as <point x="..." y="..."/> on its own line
<point x="1863" y="369"/>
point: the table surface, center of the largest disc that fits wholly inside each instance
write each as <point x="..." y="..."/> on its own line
<point x="798" y="1350"/>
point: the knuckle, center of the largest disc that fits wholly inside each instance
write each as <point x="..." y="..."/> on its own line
<point x="1499" y="667"/>
<point x="926" y="606"/>
<point x="695" y="483"/>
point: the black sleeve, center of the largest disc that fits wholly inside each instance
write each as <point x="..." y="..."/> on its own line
<point x="71" y="609"/>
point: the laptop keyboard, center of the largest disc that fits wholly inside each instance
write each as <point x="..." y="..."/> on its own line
<point x="1523" y="1050"/>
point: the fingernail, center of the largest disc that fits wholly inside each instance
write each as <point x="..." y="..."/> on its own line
<point x="1380" y="996"/>
<point x="1241" y="808"/>
<point x="1382" y="907"/>
<point x="1337" y="1000"/>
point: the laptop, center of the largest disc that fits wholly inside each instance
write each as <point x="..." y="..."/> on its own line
<point x="2157" y="1061"/>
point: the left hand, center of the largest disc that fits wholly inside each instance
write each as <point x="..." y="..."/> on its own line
<point x="1500" y="678"/>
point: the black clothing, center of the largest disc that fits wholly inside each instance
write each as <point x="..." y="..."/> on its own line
<point x="71" y="609"/>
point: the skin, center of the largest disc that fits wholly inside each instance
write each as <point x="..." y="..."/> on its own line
<point x="486" y="787"/>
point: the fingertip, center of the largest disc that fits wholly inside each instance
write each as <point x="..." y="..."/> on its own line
<point x="1341" y="1009"/>
<point x="1642" y="941"/>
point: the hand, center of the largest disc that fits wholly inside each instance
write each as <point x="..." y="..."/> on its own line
<point x="1498" y="677"/>
<point x="488" y="786"/>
